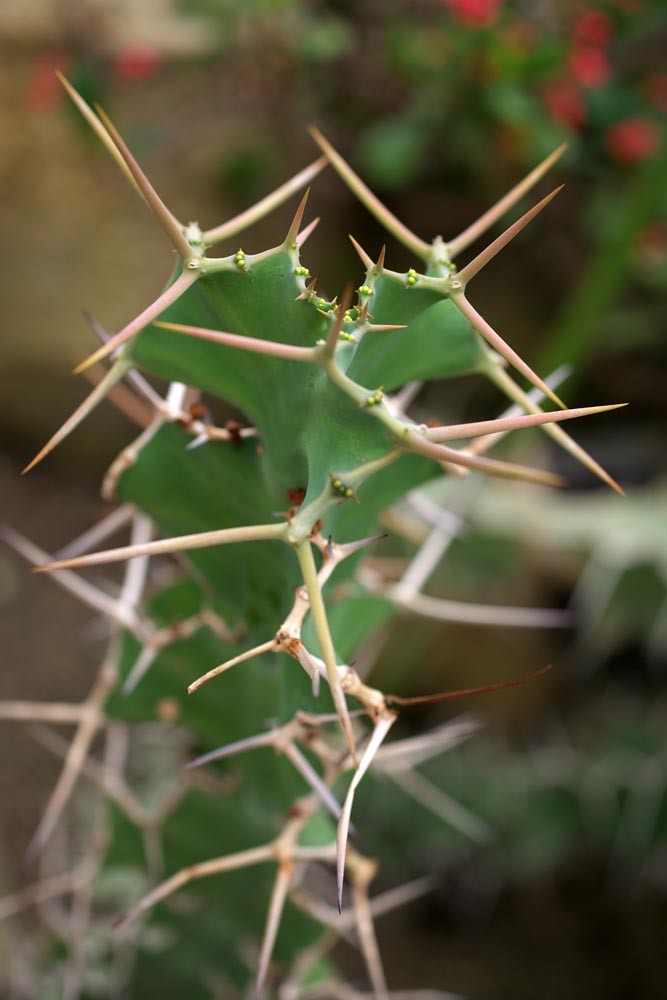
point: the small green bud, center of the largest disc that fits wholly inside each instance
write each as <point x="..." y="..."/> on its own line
<point x="412" y="279"/>
<point x="341" y="488"/>
<point x="375" y="398"/>
<point x="302" y="272"/>
<point x="344" y="335"/>
<point x="364" y="290"/>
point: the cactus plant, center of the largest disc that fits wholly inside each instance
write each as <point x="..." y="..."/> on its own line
<point x="280" y="603"/>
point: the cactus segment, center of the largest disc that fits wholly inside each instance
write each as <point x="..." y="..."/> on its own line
<point x="313" y="379"/>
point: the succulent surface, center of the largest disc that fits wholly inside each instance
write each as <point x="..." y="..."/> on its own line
<point x="274" y="517"/>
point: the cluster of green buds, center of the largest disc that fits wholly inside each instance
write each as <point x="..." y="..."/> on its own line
<point x="341" y="488"/>
<point x="240" y="261"/>
<point x="412" y="277"/>
<point x="302" y="272"/>
<point x="364" y="290"/>
<point x="375" y="398"/>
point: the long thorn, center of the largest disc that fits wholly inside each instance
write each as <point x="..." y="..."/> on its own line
<point x="151" y="312"/>
<point x="505" y="470"/>
<point x="291" y="240"/>
<point x="497" y="342"/>
<point x="366" y="259"/>
<point x="440" y="609"/>
<point x="171" y="227"/>
<point x="310" y="775"/>
<point x="456" y="432"/>
<point x="368" y="940"/>
<point x="266" y="205"/>
<point x="382" y="727"/>
<point x="200" y="540"/>
<point x="84" y="591"/>
<point x="321" y="623"/>
<point x="249" y="743"/>
<point x="508" y="386"/>
<point x="371" y="201"/>
<point x="114" y="375"/>
<point x="228" y="863"/>
<point x="276" y="906"/>
<point x="393" y="699"/>
<point x="249" y="654"/>
<point x="486" y="220"/>
<point x="99" y="129"/>
<point x="98" y="533"/>
<point x="337" y="325"/>
<point x="483" y="258"/>
<point x="272" y="348"/>
<point x="91" y="720"/>
<point x="138" y="380"/>
<point x="307" y="231"/>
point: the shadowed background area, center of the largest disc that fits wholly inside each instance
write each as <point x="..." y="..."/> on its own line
<point x="441" y="105"/>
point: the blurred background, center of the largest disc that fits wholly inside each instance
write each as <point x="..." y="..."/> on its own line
<point x="441" y="105"/>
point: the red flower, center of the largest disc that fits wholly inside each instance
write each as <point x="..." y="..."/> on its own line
<point x="44" y="93"/>
<point x="589" y="66"/>
<point x="563" y="102"/>
<point x="631" y="140"/>
<point x="137" y="63"/>
<point x="475" y="13"/>
<point x="592" y="27"/>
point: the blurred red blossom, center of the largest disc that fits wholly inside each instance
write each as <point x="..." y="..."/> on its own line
<point x="475" y="13"/>
<point x="631" y="140"/>
<point x="592" y="27"/>
<point x="564" y="103"/>
<point x="137" y="63"/>
<point x="43" y="92"/>
<point x="589" y="66"/>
